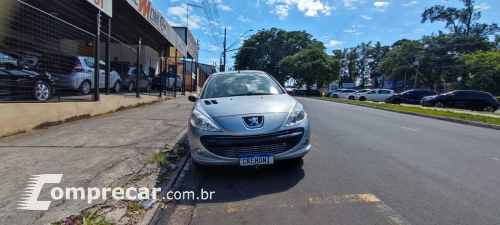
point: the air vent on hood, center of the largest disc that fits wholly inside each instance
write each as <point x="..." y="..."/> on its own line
<point x="214" y="102"/>
<point x="207" y="102"/>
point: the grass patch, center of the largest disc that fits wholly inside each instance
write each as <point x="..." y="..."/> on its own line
<point x="90" y="217"/>
<point x="132" y="209"/>
<point x="159" y="159"/>
<point x="425" y="111"/>
<point x="135" y="178"/>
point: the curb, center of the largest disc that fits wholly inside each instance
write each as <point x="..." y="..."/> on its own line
<point x="472" y="123"/>
<point x="152" y="215"/>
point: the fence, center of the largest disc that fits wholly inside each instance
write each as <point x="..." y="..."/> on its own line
<point x="46" y="58"/>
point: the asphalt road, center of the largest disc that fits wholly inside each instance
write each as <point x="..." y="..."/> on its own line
<point x="366" y="166"/>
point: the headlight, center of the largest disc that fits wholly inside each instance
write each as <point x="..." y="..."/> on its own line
<point x="296" y="116"/>
<point x="202" y="122"/>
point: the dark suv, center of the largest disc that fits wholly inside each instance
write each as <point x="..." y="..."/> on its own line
<point x="463" y="99"/>
<point x="410" y="96"/>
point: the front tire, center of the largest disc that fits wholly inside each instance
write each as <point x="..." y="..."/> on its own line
<point x="489" y="108"/>
<point x="362" y="98"/>
<point x="439" y="105"/>
<point x="335" y="96"/>
<point x="130" y="87"/>
<point x="396" y="101"/>
<point x="42" y="91"/>
<point x="117" y="87"/>
<point x="85" y="87"/>
<point x="351" y="98"/>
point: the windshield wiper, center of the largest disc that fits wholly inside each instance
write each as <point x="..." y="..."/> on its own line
<point x="249" y="94"/>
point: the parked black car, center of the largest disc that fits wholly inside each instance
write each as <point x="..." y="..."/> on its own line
<point x="307" y="93"/>
<point x="463" y="99"/>
<point x="17" y="83"/>
<point x="410" y="96"/>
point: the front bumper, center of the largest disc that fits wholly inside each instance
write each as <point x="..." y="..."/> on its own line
<point x="210" y="158"/>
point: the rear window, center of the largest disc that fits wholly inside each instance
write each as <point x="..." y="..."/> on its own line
<point x="57" y="63"/>
<point x="234" y="84"/>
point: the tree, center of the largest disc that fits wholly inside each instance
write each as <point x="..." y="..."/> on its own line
<point x="483" y="70"/>
<point x="270" y="47"/>
<point x="461" y="22"/>
<point x="310" y="66"/>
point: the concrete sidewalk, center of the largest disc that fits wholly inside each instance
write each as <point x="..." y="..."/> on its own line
<point x="98" y="152"/>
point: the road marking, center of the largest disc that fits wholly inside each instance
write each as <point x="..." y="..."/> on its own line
<point x="247" y="206"/>
<point x="408" y="128"/>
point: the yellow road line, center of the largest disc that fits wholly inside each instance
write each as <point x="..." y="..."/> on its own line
<point x="247" y="206"/>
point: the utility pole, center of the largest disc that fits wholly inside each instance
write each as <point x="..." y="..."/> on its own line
<point x="224" y="67"/>
<point x="187" y="12"/>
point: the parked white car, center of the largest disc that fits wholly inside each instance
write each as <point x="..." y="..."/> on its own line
<point x="355" y="95"/>
<point x="343" y="93"/>
<point x="376" y="95"/>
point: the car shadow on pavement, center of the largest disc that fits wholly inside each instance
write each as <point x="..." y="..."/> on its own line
<point x="241" y="183"/>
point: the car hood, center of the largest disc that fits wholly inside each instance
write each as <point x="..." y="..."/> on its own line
<point x="241" y="105"/>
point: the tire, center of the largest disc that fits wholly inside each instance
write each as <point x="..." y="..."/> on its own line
<point x="439" y="104"/>
<point x="362" y="98"/>
<point x="489" y="108"/>
<point x="130" y="87"/>
<point x="351" y="98"/>
<point x="335" y="96"/>
<point x="85" y="87"/>
<point x="396" y="101"/>
<point x="42" y="91"/>
<point x="117" y="87"/>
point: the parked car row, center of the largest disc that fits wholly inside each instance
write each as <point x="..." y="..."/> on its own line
<point x="306" y="93"/>
<point x="68" y="74"/>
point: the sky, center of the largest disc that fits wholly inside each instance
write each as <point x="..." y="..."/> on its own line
<point x="338" y="23"/>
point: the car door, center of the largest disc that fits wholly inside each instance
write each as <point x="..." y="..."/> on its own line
<point x="382" y="95"/>
<point x="371" y="95"/>
<point x="102" y="74"/>
<point x="5" y="83"/>
<point x="412" y="97"/>
<point x="475" y="100"/>
<point x="456" y="100"/>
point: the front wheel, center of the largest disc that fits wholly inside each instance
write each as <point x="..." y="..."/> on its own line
<point x="335" y="96"/>
<point x="439" y="104"/>
<point x="42" y="91"/>
<point x="351" y="98"/>
<point x="130" y="87"/>
<point x="489" y="108"/>
<point x="117" y="87"/>
<point x="85" y="87"/>
<point x="362" y="98"/>
<point x="396" y="101"/>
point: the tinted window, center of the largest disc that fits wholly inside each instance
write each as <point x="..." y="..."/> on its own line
<point x="463" y="93"/>
<point x="384" y="92"/>
<point x="232" y="84"/>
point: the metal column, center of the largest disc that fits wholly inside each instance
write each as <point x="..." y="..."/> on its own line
<point x="96" y="57"/>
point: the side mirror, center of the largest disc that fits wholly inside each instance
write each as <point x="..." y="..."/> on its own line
<point x="192" y="98"/>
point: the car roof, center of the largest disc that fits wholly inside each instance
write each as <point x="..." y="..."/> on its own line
<point x="239" y="72"/>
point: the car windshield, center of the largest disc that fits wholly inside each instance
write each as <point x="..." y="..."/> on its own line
<point x="238" y="84"/>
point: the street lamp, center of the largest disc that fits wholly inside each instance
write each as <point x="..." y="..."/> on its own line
<point x="416" y="63"/>
<point x="223" y="65"/>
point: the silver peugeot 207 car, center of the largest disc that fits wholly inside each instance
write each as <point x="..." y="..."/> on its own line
<point x="246" y="118"/>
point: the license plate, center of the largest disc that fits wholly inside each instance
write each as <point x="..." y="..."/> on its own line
<point x="262" y="159"/>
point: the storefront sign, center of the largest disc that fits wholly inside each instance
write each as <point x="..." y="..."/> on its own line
<point x="105" y="6"/>
<point x="192" y="45"/>
<point x="148" y="11"/>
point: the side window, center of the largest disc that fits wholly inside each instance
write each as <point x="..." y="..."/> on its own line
<point x="461" y="94"/>
<point x="384" y="92"/>
<point x="371" y="92"/>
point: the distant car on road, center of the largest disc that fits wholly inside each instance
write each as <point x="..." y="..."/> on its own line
<point x="410" y="96"/>
<point x="331" y="93"/>
<point x="376" y="95"/>
<point x="354" y="96"/>
<point x="343" y="93"/>
<point x="463" y="99"/>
